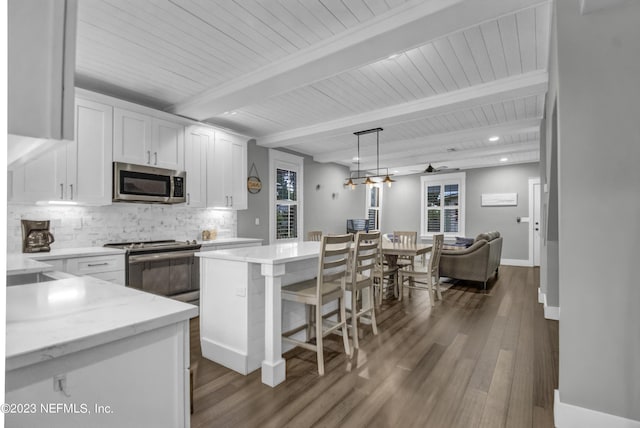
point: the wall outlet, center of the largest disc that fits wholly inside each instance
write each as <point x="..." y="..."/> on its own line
<point x="257" y="221"/>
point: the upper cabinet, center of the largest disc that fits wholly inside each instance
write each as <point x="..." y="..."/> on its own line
<point x="77" y="171"/>
<point x="41" y="66"/>
<point x="227" y="172"/>
<point x="198" y="140"/>
<point x="146" y="140"/>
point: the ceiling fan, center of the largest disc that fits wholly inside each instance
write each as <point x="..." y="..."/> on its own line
<point x="430" y="169"/>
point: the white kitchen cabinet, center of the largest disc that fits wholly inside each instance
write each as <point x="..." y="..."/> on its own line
<point x="146" y="140"/>
<point x="83" y="353"/>
<point x="198" y="139"/>
<point x="227" y="173"/>
<point x="41" y="66"/>
<point x="109" y="267"/>
<point x="74" y="171"/>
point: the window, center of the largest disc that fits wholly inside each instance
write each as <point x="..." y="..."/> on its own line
<point x="443" y="204"/>
<point x="374" y="205"/>
<point x="285" y="196"/>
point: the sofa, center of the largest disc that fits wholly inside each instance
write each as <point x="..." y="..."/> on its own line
<point x="478" y="262"/>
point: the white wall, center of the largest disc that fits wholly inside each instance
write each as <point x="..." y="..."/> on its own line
<point x="599" y="207"/>
<point x="121" y="222"/>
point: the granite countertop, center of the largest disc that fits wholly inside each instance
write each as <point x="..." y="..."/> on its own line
<point x="51" y="319"/>
<point x="21" y="263"/>
<point x="65" y="253"/>
<point x="267" y="254"/>
<point x="225" y="241"/>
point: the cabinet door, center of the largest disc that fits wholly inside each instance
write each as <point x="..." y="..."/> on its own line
<point x="89" y="164"/>
<point x="218" y="167"/>
<point x="40" y="68"/>
<point x="238" y="175"/>
<point x="167" y="145"/>
<point x="41" y="179"/>
<point x="195" y="159"/>
<point x="131" y="137"/>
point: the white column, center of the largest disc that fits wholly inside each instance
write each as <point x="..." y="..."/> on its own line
<point x="273" y="366"/>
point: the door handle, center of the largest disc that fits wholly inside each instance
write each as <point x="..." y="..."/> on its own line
<point x="231" y="200"/>
<point x="61" y="190"/>
<point x="71" y="191"/>
<point x="148" y="156"/>
<point x="188" y="198"/>
<point x="227" y="199"/>
<point x="156" y="158"/>
<point x="537" y="229"/>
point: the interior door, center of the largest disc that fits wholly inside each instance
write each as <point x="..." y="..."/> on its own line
<point x="536" y="224"/>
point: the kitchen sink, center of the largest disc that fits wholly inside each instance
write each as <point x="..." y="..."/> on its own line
<point x="35" y="277"/>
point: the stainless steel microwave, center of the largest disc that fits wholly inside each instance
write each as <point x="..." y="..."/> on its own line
<point x="141" y="183"/>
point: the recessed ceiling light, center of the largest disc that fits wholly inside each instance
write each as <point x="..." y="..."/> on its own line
<point x="396" y="171"/>
<point x="504" y="159"/>
<point x="355" y="159"/>
<point x="233" y="113"/>
<point x="225" y="113"/>
<point x="494" y="138"/>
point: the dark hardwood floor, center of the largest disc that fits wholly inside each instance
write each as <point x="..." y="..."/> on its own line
<point x="474" y="360"/>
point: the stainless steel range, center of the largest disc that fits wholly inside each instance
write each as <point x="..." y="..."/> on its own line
<point x="168" y="268"/>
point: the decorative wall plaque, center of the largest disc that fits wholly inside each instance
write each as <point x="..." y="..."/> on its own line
<point x="254" y="185"/>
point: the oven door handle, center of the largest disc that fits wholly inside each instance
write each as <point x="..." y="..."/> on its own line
<point x="158" y="257"/>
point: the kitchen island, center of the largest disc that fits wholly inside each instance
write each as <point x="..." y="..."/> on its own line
<point x="241" y="313"/>
<point x="85" y="352"/>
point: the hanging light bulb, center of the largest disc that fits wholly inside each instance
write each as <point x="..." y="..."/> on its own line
<point x="350" y="183"/>
<point x="369" y="182"/>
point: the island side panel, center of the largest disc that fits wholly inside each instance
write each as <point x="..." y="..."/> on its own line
<point x="224" y="322"/>
<point x="232" y="310"/>
<point x="108" y="385"/>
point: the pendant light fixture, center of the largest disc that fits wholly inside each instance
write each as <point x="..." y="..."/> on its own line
<point x="368" y="179"/>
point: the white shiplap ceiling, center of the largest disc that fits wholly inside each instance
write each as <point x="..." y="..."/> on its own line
<point x="307" y="74"/>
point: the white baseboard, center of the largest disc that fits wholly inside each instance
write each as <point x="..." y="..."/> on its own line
<point x="515" y="262"/>
<point x="570" y="416"/>
<point x="550" y="312"/>
<point x="230" y="358"/>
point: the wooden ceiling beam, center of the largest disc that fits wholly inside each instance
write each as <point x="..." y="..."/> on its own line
<point x="410" y="25"/>
<point x="524" y="85"/>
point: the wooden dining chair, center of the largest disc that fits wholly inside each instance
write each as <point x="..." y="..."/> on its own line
<point x="385" y="277"/>
<point x="405" y="238"/>
<point x="426" y="275"/>
<point x="314" y="235"/>
<point x="329" y="286"/>
<point x="366" y="255"/>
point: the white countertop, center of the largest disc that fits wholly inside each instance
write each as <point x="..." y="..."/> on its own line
<point x="267" y="254"/>
<point x="226" y="241"/>
<point x="22" y="263"/>
<point x="65" y="253"/>
<point x="52" y="319"/>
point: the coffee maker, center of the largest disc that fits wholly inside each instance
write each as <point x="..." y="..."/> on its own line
<point x="36" y="236"/>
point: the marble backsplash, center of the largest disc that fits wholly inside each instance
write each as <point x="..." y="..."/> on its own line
<point x="95" y="226"/>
